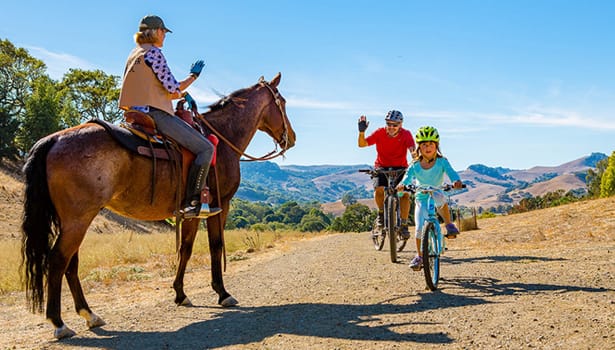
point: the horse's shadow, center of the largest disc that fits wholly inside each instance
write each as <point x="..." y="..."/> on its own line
<point x="247" y="325"/>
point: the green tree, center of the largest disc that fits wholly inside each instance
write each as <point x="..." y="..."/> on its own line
<point x="314" y="221"/>
<point x="292" y="212"/>
<point x="348" y="199"/>
<point x="594" y="178"/>
<point x="356" y="218"/>
<point x="41" y="117"/>
<point x="8" y="129"/>
<point x="607" y="184"/>
<point x="17" y="72"/>
<point x="90" y="94"/>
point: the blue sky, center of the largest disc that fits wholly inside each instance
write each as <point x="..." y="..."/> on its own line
<point x="507" y="83"/>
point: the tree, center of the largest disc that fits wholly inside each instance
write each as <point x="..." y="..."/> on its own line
<point x="41" y="117"/>
<point x="348" y="199"/>
<point x="90" y="94"/>
<point x="314" y="221"/>
<point x="594" y="178"/>
<point x="17" y="72"/>
<point x="356" y="218"/>
<point x="607" y="184"/>
<point x="8" y="129"/>
<point x="292" y="212"/>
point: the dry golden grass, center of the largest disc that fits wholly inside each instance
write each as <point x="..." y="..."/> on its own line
<point x="570" y="224"/>
<point x="128" y="256"/>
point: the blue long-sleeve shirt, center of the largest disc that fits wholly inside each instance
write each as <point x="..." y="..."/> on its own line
<point x="433" y="176"/>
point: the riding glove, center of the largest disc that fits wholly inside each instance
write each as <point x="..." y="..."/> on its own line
<point x="197" y="67"/>
<point x="363" y="125"/>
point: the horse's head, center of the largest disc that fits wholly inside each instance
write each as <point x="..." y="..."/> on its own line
<point x="274" y="120"/>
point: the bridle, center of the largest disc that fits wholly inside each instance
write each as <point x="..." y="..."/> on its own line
<point x="271" y="155"/>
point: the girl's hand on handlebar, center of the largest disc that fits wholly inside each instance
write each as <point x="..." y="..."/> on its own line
<point x="458" y="185"/>
<point x="401" y="187"/>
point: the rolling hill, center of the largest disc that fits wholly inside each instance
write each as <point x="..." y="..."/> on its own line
<point x="488" y="186"/>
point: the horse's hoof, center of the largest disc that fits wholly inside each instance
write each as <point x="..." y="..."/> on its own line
<point x="95" y="321"/>
<point x="185" y="302"/>
<point x="91" y="319"/>
<point x="229" y="301"/>
<point x="63" y="332"/>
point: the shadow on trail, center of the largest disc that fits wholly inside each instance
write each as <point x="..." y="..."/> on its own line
<point x="522" y="259"/>
<point x="488" y="286"/>
<point x="247" y="325"/>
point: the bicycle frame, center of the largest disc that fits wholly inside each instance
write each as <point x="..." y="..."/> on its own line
<point x="432" y="243"/>
<point x="392" y="219"/>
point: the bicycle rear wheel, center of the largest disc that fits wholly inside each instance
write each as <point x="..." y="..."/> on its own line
<point x="431" y="256"/>
<point x="391" y="226"/>
<point x="378" y="235"/>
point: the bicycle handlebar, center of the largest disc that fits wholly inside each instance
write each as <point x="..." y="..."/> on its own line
<point x="385" y="171"/>
<point x="429" y="188"/>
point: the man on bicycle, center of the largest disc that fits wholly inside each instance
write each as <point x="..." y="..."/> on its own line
<point x="393" y="143"/>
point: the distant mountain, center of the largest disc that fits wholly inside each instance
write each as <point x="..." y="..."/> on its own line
<point x="268" y="182"/>
<point x="488" y="186"/>
<point x="491" y="187"/>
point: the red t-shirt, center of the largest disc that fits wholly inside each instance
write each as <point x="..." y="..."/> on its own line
<point x="391" y="151"/>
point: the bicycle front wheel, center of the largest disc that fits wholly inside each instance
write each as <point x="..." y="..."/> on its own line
<point x="391" y="226"/>
<point x="430" y="246"/>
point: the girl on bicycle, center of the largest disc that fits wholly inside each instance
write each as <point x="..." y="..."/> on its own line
<point x="429" y="168"/>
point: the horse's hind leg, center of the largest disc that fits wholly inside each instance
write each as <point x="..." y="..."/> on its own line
<point x="63" y="259"/>
<point x="57" y="267"/>
<point x="81" y="305"/>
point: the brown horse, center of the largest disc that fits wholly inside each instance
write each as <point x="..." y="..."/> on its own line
<point x="74" y="173"/>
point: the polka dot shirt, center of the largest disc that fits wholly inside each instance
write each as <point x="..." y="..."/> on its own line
<point x="155" y="60"/>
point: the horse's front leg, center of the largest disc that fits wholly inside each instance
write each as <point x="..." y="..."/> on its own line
<point x="216" y="246"/>
<point x="81" y="305"/>
<point x="188" y="234"/>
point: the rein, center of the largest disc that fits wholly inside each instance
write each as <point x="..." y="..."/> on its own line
<point x="271" y="155"/>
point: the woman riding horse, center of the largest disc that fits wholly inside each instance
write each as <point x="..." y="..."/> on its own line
<point x="149" y="87"/>
<point x="72" y="174"/>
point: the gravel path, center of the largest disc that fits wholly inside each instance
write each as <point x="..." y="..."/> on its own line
<point x="337" y="292"/>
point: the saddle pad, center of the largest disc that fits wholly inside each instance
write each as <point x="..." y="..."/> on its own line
<point x="133" y="143"/>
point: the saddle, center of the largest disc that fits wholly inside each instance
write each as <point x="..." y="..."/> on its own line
<point x="138" y="134"/>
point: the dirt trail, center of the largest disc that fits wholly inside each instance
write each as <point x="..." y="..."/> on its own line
<point x="535" y="280"/>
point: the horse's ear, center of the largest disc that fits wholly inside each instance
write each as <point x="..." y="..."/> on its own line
<point x="276" y="80"/>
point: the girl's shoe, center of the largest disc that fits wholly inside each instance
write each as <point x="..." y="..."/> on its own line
<point x="417" y="263"/>
<point x="451" y="231"/>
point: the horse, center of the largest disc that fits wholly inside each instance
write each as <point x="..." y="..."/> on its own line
<point x="74" y="173"/>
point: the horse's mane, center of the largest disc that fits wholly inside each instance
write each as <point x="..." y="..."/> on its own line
<point x="226" y="99"/>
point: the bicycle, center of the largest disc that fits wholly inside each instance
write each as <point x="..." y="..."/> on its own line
<point x="432" y="244"/>
<point x="392" y="220"/>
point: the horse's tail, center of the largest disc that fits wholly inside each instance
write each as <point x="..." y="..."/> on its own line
<point x="40" y="223"/>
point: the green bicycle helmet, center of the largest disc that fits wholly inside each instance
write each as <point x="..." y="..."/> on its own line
<point x="427" y="133"/>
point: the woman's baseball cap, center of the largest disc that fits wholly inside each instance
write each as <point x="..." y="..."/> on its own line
<point x="152" y="22"/>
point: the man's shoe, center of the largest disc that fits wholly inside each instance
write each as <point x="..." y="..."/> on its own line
<point x="380" y="220"/>
<point x="451" y="231"/>
<point x="201" y="211"/>
<point x="417" y="263"/>
<point x="405" y="234"/>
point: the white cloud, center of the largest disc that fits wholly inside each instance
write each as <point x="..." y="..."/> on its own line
<point x="58" y="64"/>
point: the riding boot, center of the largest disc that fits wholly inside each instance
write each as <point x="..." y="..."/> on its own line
<point x="193" y="208"/>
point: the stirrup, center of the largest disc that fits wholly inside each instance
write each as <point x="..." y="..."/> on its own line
<point x="201" y="211"/>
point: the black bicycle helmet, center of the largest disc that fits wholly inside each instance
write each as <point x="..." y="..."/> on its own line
<point x="394" y="116"/>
